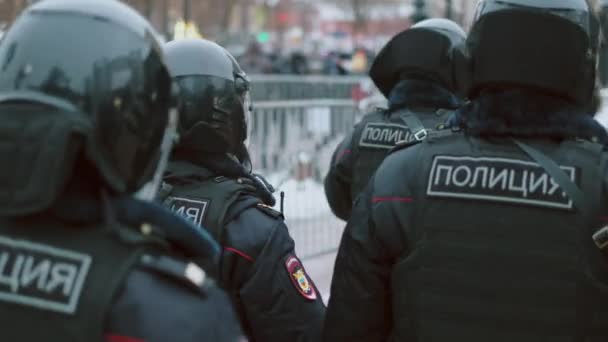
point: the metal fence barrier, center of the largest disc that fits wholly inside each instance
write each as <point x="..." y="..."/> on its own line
<point x="283" y="129"/>
<point x="290" y="87"/>
<point x="284" y="132"/>
<point x="602" y="116"/>
<point x="301" y="130"/>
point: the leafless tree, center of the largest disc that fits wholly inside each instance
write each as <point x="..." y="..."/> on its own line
<point x="226" y="8"/>
<point x="360" y="10"/>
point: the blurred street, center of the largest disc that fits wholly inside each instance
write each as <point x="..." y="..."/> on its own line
<point x="330" y="37"/>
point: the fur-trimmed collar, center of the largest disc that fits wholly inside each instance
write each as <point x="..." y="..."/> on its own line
<point x="520" y="113"/>
<point x="421" y="93"/>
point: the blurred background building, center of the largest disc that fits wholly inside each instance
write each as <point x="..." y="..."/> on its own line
<point x="334" y="37"/>
<point x="292" y="36"/>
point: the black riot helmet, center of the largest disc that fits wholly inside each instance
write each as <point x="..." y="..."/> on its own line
<point x="93" y="74"/>
<point x="549" y="46"/>
<point x="432" y="49"/>
<point x="214" y="97"/>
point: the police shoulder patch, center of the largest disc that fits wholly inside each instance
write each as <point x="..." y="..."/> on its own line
<point x="498" y="180"/>
<point x="299" y="278"/>
<point x="384" y="135"/>
<point x="190" y="208"/>
<point x="41" y="276"/>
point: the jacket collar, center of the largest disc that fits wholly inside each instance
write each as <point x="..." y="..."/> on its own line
<point x="423" y="94"/>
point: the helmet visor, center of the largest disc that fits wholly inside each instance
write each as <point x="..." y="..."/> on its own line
<point x="242" y="86"/>
<point x="150" y="189"/>
<point x="248" y="112"/>
<point x="112" y="74"/>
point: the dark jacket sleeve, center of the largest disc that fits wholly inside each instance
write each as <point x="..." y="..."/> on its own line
<point x="258" y="252"/>
<point x="154" y="308"/>
<point x="339" y="179"/>
<point x="360" y="303"/>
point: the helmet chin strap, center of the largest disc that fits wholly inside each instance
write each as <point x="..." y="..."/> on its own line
<point x="233" y="157"/>
<point x="150" y="190"/>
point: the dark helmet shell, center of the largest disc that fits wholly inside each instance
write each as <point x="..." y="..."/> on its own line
<point x="101" y="60"/>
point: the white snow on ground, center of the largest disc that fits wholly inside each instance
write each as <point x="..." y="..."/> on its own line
<point x="314" y="229"/>
<point x="276" y="179"/>
<point x="303" y="199"/>
<point x="602" y="115"/>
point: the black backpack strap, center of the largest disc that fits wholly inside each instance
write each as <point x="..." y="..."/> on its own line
<point x="585" y="304"/>
<point x="572" y="190"/>
<point x="416" y="127"/>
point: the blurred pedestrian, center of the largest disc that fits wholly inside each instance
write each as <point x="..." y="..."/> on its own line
<point x="255" y="60"/>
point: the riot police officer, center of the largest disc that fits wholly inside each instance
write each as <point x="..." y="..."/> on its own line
<point x="209" y="181"/>
<point x="85" y="103"/>
<point x="493" y="235"/>
<point x="422" y="73"/>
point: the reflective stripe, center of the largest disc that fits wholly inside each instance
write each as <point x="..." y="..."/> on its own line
<point x="236" y="251"/>
<point x="120" y="338"/>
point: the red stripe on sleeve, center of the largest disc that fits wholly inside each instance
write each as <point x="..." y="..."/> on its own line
<point x="343" y="154"/>
<point x="120" y="338"/>
<point x="239" y="253"/>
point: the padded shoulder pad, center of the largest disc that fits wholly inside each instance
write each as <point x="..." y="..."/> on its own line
<point x="594" y="147"/>
<point x="270" y="211"/>
<point x="441" y="135"/>
<point x="188" y="274"/>
<point x="405" y="144"/>
<point x="432" y="137"/>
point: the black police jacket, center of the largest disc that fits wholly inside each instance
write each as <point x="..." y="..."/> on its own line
<point x="476" y="243"/>
<point x="361" y="152"/>
<point x="112" y="270"/>
<point x="275" y="298"/>
<point x="179" y="311"/>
